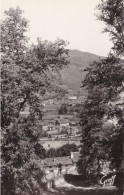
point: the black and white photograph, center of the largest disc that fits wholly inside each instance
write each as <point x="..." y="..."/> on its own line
<point x="62" y="97"/>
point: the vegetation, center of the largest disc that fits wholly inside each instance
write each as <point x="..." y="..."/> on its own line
<point x="74" y="74"/>
<point x="63" y="109"/>
<point x="26" y="76"/>
<point x="64" y="150"/>
<point x="102" y="115"/>
<point x="111" y="12"/>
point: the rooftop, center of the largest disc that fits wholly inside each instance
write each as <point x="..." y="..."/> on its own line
<point x="66" y="160"/>
<point x="52" y="132"/>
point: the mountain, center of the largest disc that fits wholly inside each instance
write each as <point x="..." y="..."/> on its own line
<point x="74" y="74"/>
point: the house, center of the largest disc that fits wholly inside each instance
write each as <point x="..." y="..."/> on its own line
<point x="72" y="97"/>
<point x="64" y="135"/>
<point x="64" y="124"/>
<point x="61" y="165"/>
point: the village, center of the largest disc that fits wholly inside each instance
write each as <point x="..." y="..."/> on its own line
<point x="60" y="126"/>
<point x="61" y="123"/>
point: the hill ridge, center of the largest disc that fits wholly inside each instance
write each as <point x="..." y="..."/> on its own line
<point x="74" y="74"/>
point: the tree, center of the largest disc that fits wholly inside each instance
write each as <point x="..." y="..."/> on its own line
<point x="63" y="109"/>
<point x="104" y="82"/>
<point x="26" y="76"/>
<point x="52" y="152"/>
<point x="112" y="12"/>
<point x="64" y="150"/>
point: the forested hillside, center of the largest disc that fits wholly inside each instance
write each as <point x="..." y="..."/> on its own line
<point x="74" y="74"/>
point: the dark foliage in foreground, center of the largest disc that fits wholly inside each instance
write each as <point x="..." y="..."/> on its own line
<point x="26" y="75"/>
<point x="102" y="114"/>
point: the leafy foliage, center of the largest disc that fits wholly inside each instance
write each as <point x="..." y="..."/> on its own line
<point x="64" y="150"/>
<point x="102" y="112"/>
<point x="112" y="12"/>
<point x="63" y="109"/>
<point x="26" y="76"/>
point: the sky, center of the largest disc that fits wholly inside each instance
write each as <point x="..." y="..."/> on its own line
<point x="71" y="20"/>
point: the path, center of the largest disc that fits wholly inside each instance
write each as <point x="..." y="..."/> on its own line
<point x="64" y="188"/>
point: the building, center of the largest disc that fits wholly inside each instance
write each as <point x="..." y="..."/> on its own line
<point x="61" y="136"/>
<point x="61" y="165"/>
<point x="64" y="124"/>
<point x="72" y="97"/>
